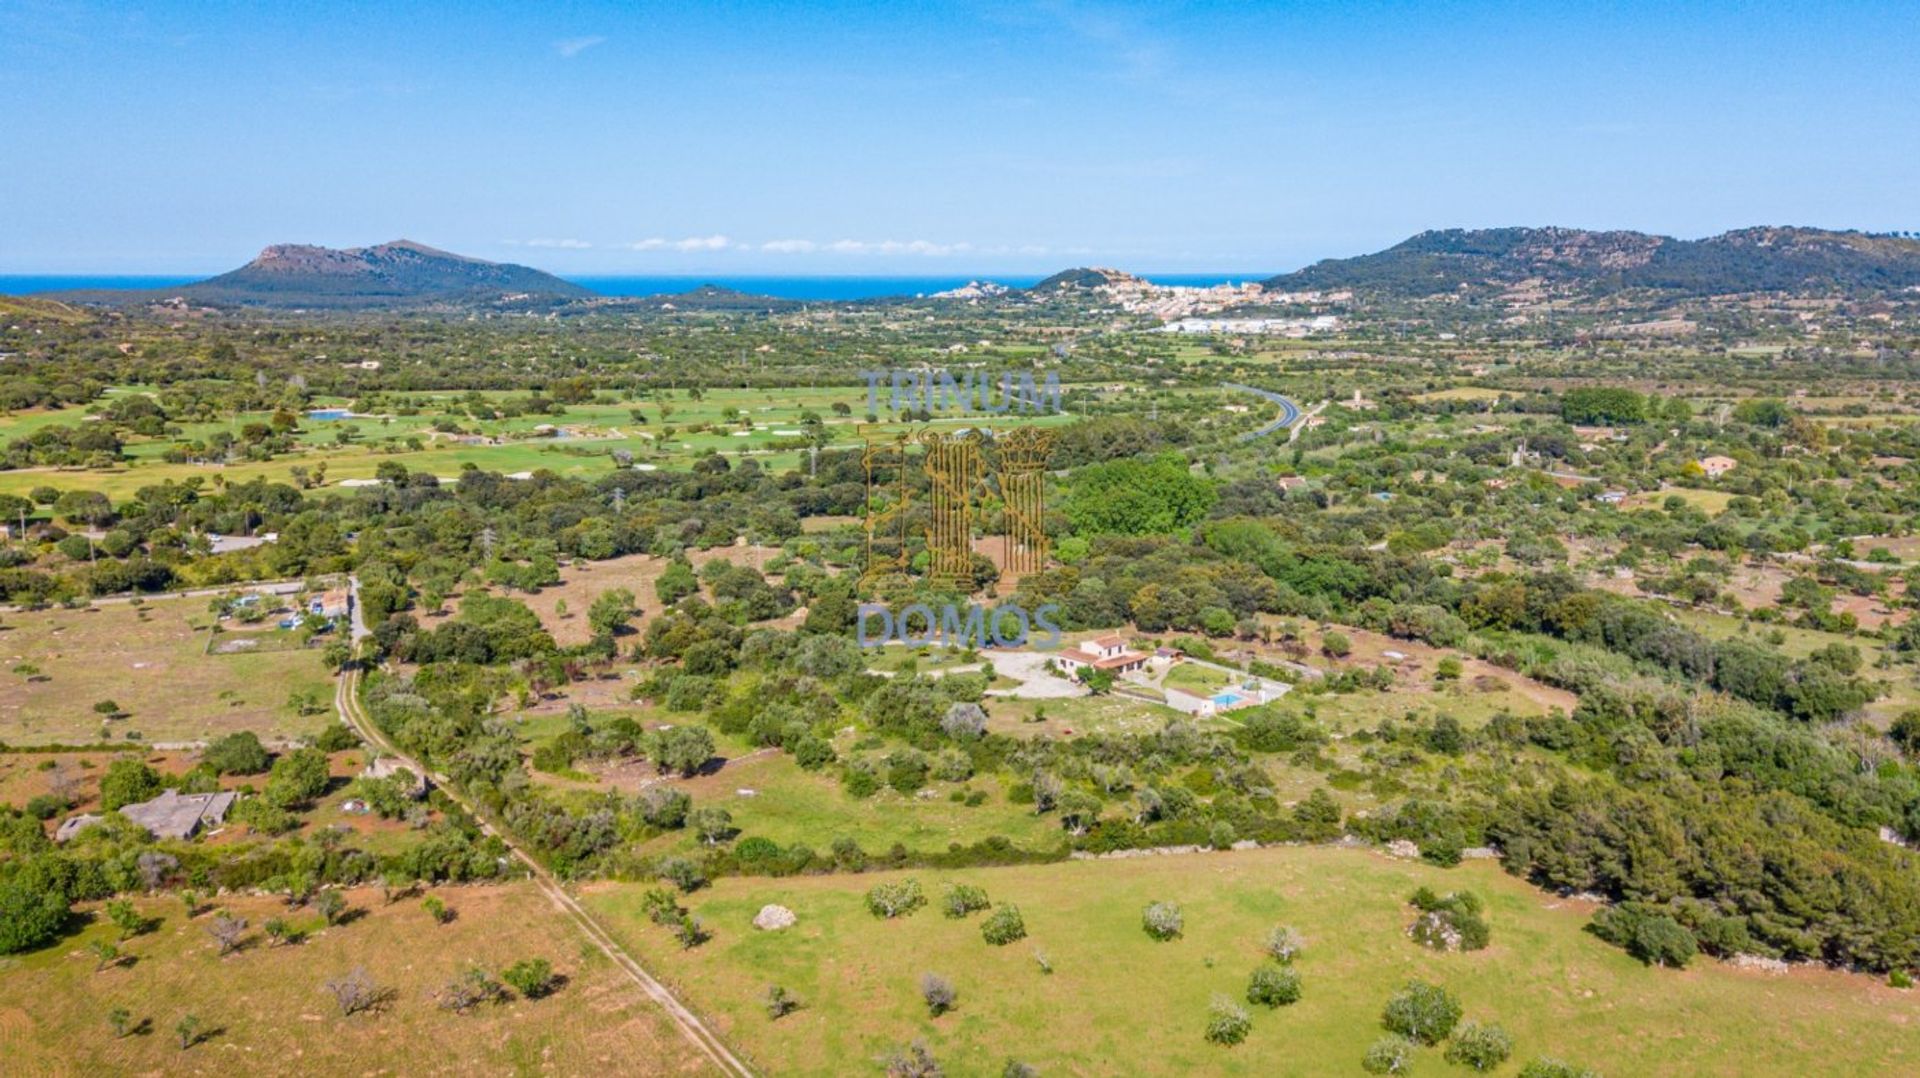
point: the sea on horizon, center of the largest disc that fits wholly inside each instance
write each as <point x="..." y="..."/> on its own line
<point x="823" y="288"/>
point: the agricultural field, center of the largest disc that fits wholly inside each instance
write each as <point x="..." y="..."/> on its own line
<point x="1118" y="1001"/>
<point x="171" y="680"/>
<point x="265" y="1007"/>
<point x="771" y="797"/>
<point x="334" y="442"/>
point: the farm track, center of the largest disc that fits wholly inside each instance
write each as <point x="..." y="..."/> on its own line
<point x="347" y="701"/>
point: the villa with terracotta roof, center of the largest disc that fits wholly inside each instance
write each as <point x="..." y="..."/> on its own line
<point x="331" y="603"/>
<point x="1717" y="466"/>
<point x="1108" y="652"/>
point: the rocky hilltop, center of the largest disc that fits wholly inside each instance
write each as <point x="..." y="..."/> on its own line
<point x="390" y="275"/>
<point x="1801" y="260"/>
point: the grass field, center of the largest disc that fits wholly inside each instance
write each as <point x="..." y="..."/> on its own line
<point x="1710" y="502"/>
<point x="764" y="424"/>
<point x="791" y="805"/>
<point x="1461" y="393"/>
<point x="267" y="1012"/>
<point x="151" y="660"/>
<point x="1198" y="680"/>
<point x="1120" y="1003"/>
<point x="1077" y="716"/>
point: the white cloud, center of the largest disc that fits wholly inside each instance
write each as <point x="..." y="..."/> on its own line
<point x="570" y="47"/>
<point x="691" y="243"/>
<point x="897" y="247"/>
<point x="795" y="246"/>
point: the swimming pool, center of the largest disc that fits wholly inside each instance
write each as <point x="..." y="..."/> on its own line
<point x="329" y="413"/>
<point x="1226" y="699"/>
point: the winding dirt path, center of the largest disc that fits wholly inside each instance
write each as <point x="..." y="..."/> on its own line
<point x="347" y="700"/>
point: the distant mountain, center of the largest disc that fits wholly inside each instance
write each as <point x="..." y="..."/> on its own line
<point x="1081" y="278"/>
<point x="1804" y="260"/>
<point x="391" y="275"/>
<point x="707" y="297"/>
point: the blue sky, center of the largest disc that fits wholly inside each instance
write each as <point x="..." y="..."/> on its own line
<point x="930" y="138"/>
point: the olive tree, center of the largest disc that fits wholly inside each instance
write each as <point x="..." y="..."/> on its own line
<point x="1162" y="920"/>
<point x="1227" y="1022"/>
<point x="939" y="994"/>
<point x="1422" y="1012"/>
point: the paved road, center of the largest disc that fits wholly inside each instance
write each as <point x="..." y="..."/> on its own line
<point x="347" y="700"/>
<point x="1289" y="411"/>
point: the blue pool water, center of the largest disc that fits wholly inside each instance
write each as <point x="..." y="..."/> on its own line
<point x="1226" y="699"/>
<point x="329" y="413"/>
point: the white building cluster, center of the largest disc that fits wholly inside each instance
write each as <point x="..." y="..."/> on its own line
<point x="1285" y="327"/>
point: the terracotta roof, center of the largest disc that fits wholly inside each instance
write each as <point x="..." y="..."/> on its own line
<point x="1079" y="654"/>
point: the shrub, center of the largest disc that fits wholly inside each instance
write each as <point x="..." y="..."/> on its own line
<point x="860" y="782"/>
<point x="1003" y="926"/>
<point x="690" y="931"/>
<point x="355" y="991"/>
<point x="531" y="977"/>
<point x="1272" y="986"/>
<point x="237" y="754"/>
<point x="1227" y="1022"/>
<point x="1449" y="923"/>
<point x="126" y="782"/>
<point x="1284" y="944"/>
<point x="895" y="899"/>
<point x="1422" y="1012"/>
<point x="1480" y="1047"/>
<point x="1646" y="933"/>
<point x="1388" y="1055"/>
<point x="1162" y="920"/>
<point x="330" y="905"/>
<point x="779" y="1002"/>
<point x="683" y="874"/>
<point x="913" y="1061"/>
<point x="1724" y="936"/>
<point x="1899" y="978"/>
<point x="660" y="906"/>
<point x="470" y="989"/>
<point x="939" y="994"/>
<point x="963" y="899"/>
<point x="29" y="915"/>
<point x="337" y="737"/>
<point x="126" y="918"/>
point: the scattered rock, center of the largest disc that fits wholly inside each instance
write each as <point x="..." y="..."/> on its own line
<point x="1401" y="847"/>
<point x="772" y="918"/>
<point x="1760" y="962"/>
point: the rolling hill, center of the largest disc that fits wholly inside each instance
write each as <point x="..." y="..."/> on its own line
<point x="1800" y="260"/>
<point x="391" y="275"/>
